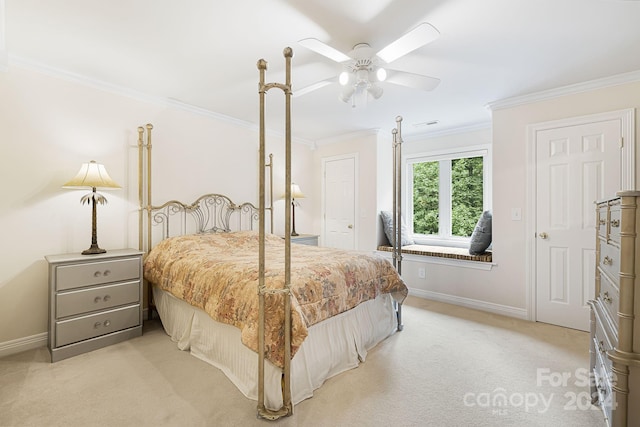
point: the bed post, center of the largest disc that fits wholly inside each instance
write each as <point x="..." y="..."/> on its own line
<point x="149" y="127"/>
<point x="144" y="198"/>
<point x="287" y="406"/>
<point x="141" y="204"/>
<point x="397" y="205"/>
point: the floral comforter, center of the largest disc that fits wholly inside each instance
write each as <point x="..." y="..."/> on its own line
<point x="219" y="274"/>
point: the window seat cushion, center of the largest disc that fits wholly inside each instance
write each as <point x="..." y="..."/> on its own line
<point x="441" y="251"/>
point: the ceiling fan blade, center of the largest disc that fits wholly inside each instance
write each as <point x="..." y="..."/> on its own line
<point x="418" y="37"/>
<point x="315" y="86"/>
<point x="416" y="81"/>
<point x="324" y="49"/>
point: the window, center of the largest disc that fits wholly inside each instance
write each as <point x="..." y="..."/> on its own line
<point x="446" y="194"/>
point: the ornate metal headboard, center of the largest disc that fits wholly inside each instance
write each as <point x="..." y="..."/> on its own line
<point x="208" y="214"/>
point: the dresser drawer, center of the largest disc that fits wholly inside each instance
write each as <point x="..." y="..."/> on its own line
<point x="93" y="325"/>
<point x="603" y="220"/>
<point x="602" y="344"/>
<point x="610" y="297"/>
<point x="95" y="273"/>
<point x="614" y="224"/>
<point x="96" y="298"/>
<point x="605" y="398"/>
<point x="609" y="260"/>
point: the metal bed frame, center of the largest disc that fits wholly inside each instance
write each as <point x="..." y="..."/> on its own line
<point x="215" y="212"/>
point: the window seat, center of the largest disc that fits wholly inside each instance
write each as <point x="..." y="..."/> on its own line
<point x="441" y="252"/>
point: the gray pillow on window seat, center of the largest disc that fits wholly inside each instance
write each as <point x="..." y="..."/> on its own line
<point x="481" y="236"/>
<point x="387" y="224"/>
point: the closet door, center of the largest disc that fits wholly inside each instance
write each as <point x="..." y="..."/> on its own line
<point x="339" y="202"/>
<point x="575" y="166"/>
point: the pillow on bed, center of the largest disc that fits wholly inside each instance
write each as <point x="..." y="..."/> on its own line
<point x="481" y="236"/>
<point x="387" y="224"/>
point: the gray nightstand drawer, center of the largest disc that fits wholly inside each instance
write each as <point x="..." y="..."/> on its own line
<point x="95" y="273"/>
<point x="93" y="325"/>
<point x="305" y="239"/>
<point x="97" y="298"/>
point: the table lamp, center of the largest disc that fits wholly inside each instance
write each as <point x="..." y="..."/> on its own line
<point x="92" y="175"/>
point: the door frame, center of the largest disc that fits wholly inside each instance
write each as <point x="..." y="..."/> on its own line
<point x="627" y="181"/>
<point x="356" y="193"/>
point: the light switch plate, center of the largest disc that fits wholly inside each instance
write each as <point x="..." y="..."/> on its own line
<point x="516" y="214"/>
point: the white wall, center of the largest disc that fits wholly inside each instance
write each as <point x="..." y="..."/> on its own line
<point x="49" y="126"/>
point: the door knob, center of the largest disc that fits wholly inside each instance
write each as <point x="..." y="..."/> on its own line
<point x="543" y="235"/>
<point x="350" y="226"/>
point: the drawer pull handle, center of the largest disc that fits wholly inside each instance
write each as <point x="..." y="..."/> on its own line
<point x="606" y="297"/>
<point x="603" y="222"/>
<point x="97" y="274"/>
<point x="615" y="223"/>
<point x="601" y="347"/>
<point x="607" y="261"/>
<point x="96" y="325"/>
<point x="96" y="300"/>
<point x="107" y="272"/>
<point x="106" y="298"/>
<point x="107" y="323"/>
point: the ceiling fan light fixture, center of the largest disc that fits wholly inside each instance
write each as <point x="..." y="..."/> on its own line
<point x="375" y="91"/>
<point x="344" y="78"/>
<point x="362" y="76"/>
<point x="346" y="93"/>
<point x="381" y="74"/>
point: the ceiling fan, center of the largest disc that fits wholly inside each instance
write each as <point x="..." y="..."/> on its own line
<point x="364" y="68"/>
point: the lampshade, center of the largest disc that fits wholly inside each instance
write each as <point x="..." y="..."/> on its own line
<point x="296" y="193"/>
<point x="92" y="175"/>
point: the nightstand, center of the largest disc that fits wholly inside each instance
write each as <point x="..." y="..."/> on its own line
<point x="94" y="301"/>
<point x="305" y="239"/>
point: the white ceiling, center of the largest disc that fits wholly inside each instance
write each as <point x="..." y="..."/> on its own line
<point x="204" y="52"/>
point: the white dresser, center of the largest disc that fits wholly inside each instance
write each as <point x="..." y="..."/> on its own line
<point x="94" y="301"/>
<point x="615" y="311"/>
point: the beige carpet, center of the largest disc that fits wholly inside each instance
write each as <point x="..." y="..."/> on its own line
<point x="451" y="366"/>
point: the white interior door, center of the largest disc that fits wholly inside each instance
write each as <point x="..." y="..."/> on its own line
<point x="575" y="166"/>
<point x="339" y="203"/>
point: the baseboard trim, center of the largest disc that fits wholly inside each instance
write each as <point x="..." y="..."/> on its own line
<point x="504" y="310"/>
<point x="23" y="344"/>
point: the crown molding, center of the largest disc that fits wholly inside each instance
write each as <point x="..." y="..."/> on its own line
<point x="614" y="80"/>
<point x="141" y="96"/>
<point x="470" y="127"/>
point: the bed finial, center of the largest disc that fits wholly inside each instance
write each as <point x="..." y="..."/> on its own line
<point x="288" y="52"/>
<point x="262" y="64"/>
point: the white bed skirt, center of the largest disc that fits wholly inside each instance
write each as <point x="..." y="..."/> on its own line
<point x="332" y="346"/>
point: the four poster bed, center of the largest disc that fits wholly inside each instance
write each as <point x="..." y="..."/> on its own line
<point x="277" y="318"/>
